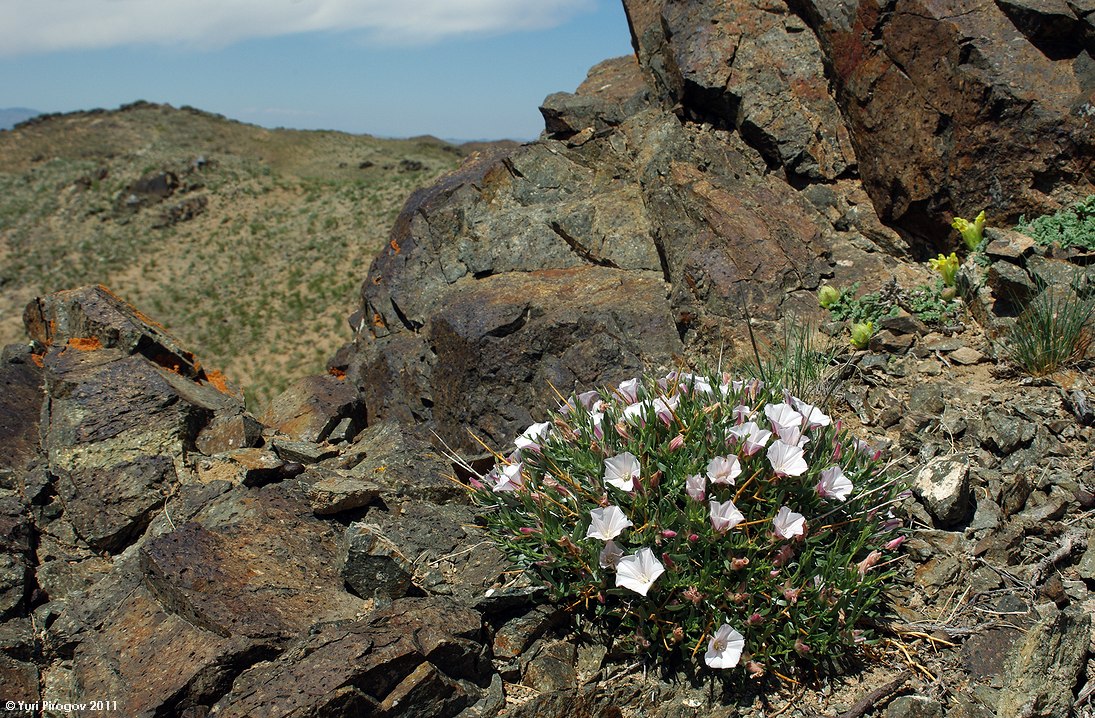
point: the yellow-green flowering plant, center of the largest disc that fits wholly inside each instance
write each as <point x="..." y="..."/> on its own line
<point x="722" y="522"/>
<point x="861" y="333"/>
<point x="972" y="232"/>
<point x="947" y="268"/>
<point x="827" y="296"/>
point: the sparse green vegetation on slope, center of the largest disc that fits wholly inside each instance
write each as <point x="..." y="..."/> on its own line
<point x="253" y="257"/>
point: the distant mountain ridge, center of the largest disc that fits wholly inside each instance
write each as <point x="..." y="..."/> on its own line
<point x="272" y="228"/>
<point x="11" y="116"/>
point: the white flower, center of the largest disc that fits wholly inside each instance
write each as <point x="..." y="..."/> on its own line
<point x="725" y="516"/>
<point x="533" y="435"/>
<point x="783" y="415"/>
<point x="629" y="390"/>
<point x="834" y="484"/>
<point x="607" y="523"/>
<point x="696" y="486"/>
<point x="725" y="647"/>
<point x="752" y="437"/>
<point x="510" y="478"/>
<point x="792" y="435"/>
<point x="635" y="413"/>
<point x="610" y="555"/>
<point x="741" y="412"/>
<point x="723" y="469"/>
<point x="639" y="571"/>
<point x="621" y="471"/>
<point x="814" y="416"/>
<point x="788" y="524"/>
<point x="786" y="460"/>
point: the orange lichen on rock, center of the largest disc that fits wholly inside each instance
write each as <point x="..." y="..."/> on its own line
<point x="38" y="360"/>
<point x="218" y="381"/>
<point x="394" y="245"/>
<point x="337" y="373"/>
<point x="85" y="344"/>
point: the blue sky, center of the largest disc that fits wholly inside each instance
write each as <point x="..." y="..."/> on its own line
<point x="464" y="69"/>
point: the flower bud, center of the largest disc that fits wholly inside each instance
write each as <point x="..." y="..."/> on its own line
<point x="827" y="296"/>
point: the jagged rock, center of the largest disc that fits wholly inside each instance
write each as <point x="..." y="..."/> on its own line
<point x="20" y="681"/>
<point x="952" y="109"/>
<point x="258" y="566"/>
<point x="1007" y="244"/>
<point x="15" y="554"/>
<point x="21" y="398"/>
<point x="450" y="557"/>
<point x="751" y="66"/>
<point x="304" y="452"/>
<point x="944" y="489"/>
<point x="125" y="404"/>
<point x="613" y="91"/>
<point x="250" y="467"/>
<point x="414" y="658"/>
<point x="333" y="492"/>
<point x="402" y="463"/>
<point x="371" y="564"/>
<point x="553" y="274"/>
<point x="312" y="407"/>
<point x="1042" y="674"/>
<point x="227" y="432"/>
<point x="552" y="667"/>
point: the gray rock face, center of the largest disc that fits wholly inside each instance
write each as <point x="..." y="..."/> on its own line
<point x="573" y="265"/>
<point x="1042" y="675"/>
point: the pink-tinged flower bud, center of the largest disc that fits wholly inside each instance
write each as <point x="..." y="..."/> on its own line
<point x="755" y="620"/>
<point x="621" y="429"/>
<point x="755" y="669"/>
<point x="876" y="455"/>
<point x="739" y="597"/>
<point x="891" y="545"/>
<point x="527" y="530"/>
<point x="693" y="594"/>
<point x="792" y="594"/>
<point x="475" y="484"/>
<point x="801" y="648"/>
<point x="773" y="573"/>
<point x="678" y="634"/>
<point x="891" y="524"/>
<point x="838" y="451"/>
<point x="669" y="563"/>
<point x="786" y="553"/>
<point x="676" y="443"/>
<point x="838" y="425"/>
<point x="693" y="537"/>
<point x="669" y="533"/>
<point x="868" y="563"/>
<point x="601" y="597"/>
<point x="738" y="563"/>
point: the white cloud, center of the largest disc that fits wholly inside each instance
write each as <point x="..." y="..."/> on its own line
<point x="33" y="26"/>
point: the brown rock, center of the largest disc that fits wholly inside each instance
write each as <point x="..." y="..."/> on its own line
<point x="311" y="408"/>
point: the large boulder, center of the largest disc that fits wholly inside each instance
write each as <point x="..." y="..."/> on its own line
<point x="575" y="262"/>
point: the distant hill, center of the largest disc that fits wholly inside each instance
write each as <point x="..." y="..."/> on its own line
<point x="11" y="116"/>
<point x="249" y="244"/>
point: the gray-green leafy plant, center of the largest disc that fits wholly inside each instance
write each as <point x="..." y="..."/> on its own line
<point x="1071" y="227"/>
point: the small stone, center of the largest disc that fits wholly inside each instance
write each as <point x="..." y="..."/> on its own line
<point x="889" y="341"/>
<point x="966" y="356"/>
<point x="938" y="343"/>
<point x="1007" y="244"/>
<point x="1086" y="567"/>
<point x="332" y="493"/>
<point x="914" y="707"/>
<point x="904" y="323"/>
<point x="943" y="487"/>
<point x="303" y="451"/>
